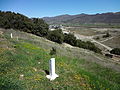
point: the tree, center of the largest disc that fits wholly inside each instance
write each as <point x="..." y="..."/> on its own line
<point x="41" y="28"/>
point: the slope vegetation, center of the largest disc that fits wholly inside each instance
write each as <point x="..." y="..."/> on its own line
<point x="11" y="20"/>
<point x="24" y="62"/>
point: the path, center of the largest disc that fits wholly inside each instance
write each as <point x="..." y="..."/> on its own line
<point x="90" y="38"/>
<point x="107" y="39"/>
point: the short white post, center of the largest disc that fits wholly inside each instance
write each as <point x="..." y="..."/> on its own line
<point x="52" y="75"/>
<point x="17" y="38"/>
<point x="11" y="35"/>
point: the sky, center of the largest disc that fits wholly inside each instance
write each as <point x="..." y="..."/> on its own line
<point x="45" y="8"/>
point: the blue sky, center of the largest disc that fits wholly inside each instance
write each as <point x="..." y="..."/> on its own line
<point x="42" y="8"/>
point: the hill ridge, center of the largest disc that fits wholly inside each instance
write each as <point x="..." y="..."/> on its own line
<point x="107" y="18"/>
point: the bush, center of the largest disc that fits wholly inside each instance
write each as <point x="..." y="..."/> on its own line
<point x="70" y="39"/>
<point x="97" y="38"/>
<point x="87" y="45"/>
<point x="53" y="51"/>
<point x="107" y="35"/>
<point x="80" y="44"/>
<point x="56" y="36"/>
<point x="115" y="51"/>
<point x="41" y="28"/>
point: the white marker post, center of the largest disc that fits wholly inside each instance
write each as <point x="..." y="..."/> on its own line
<point x="11" y="35"/>
<point x="17" y="38"/>
<point x="52" y="75"/>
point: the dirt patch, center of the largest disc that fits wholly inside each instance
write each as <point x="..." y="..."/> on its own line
<point x="67" y="45"/>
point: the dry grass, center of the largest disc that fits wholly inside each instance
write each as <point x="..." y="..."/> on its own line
<point x="74" y="66"/>
<point x="114" y="42"/>
<point x="83" y="31"/>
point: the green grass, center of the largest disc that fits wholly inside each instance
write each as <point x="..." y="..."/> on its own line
<point x="22" y="57"/>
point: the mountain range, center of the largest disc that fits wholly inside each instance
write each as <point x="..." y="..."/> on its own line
<point x="103" y="18"/>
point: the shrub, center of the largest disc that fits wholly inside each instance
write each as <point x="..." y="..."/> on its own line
<point x="56" y="36"/>
<point x="97" y="38"/>
<point x="107" y="35"/>
<point x="53" y="51"/>
<point x="87" y="45"/>
<point x="70" y="39"/>
<point x="115" y="51"/>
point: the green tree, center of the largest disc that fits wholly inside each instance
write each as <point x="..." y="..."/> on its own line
<point x="41" y="28"/>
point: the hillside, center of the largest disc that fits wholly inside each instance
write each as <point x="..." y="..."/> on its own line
<point x="37" y="26"/>
<point x="104" y="18"/>
<point x="12" y="20"/>
<point x="27" y="55"/>
<point x="61" y="18"/>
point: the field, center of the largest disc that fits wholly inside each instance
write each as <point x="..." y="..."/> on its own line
<point x="91" y="34"/>
<point x="114" y="42"/>
<point x="83" y="31"/>
<point x="28" y="56"/>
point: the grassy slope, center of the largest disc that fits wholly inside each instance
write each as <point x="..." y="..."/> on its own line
<point x="22" y="57"/>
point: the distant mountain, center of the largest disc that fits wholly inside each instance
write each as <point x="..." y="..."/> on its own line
<point x="107" y="18"/>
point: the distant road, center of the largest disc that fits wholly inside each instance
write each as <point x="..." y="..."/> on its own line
<point x="107" y="47"/>
<point x="90" y="38"/>
<point x="107" y="39"/>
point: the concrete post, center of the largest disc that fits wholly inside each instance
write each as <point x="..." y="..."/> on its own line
<point x="52" y="75"/>
<point x="11" y="35"/>
<point x="17" y="38"/>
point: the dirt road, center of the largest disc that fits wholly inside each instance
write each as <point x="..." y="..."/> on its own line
<point x="90" y="38"/>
